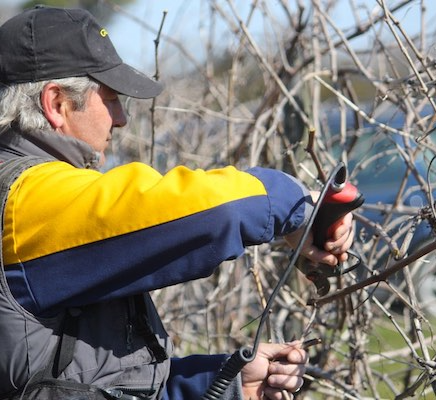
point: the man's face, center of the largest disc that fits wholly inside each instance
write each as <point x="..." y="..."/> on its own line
<point x="93" y="124"/>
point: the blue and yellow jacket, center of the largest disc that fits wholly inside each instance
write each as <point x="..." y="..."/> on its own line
<point x="74" y="236"/>
<point x="99" y="236"/>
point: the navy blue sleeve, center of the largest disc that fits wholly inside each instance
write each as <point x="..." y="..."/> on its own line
<point x="190" y="377"/>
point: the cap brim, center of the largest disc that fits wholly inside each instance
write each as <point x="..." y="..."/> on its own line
<point x="128" y="81"/>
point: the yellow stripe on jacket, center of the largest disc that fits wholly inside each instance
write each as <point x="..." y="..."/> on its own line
<point x="55" y="206"/>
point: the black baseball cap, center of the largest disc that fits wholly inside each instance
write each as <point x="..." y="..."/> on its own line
<point x="44" y="43"/>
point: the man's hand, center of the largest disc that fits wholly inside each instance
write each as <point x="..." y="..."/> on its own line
<point x="276" y="368"/>
<point x="335" y="248"/>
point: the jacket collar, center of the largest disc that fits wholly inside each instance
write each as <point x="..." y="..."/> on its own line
<point x="14" y="143"/>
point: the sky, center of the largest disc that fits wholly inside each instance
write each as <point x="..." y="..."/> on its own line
<point x="133" y="34"/>
<point x="135" y="43"/>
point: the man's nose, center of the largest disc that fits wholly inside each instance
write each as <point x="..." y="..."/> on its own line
<point x="119" y="116"/>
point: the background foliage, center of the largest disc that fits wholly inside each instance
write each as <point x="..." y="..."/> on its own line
<point x="301" y="97"/>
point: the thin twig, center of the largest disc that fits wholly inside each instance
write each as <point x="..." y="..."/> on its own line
<point x="156" y="77"/>
<point x="392" y="269"/>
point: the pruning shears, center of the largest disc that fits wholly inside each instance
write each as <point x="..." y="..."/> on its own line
<point x="341" y="198"/>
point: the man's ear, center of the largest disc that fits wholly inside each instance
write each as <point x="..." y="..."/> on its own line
<point x="54" y="105"/>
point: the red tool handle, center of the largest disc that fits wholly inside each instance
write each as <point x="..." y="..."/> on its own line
<point x="341" y="198"/>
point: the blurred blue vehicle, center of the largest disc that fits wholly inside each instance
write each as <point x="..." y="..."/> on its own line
<point x="390" y="168"/>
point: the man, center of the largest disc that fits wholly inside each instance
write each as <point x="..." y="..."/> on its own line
<point x="82" y="249"/>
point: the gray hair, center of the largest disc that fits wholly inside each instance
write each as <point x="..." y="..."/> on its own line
<point x="20" y="103"/>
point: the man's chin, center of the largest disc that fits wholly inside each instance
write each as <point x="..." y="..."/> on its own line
<point x="102" y="159"/>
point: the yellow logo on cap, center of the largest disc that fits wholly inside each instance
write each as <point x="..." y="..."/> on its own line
<point x="104" y="32"/>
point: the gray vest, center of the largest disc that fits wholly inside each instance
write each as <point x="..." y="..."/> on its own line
<point x="113" y="347"/>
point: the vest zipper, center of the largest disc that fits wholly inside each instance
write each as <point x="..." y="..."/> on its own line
<point x="129" y="324"/>
<point x="130" y="393"/>
<point x="129" y="337"/>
